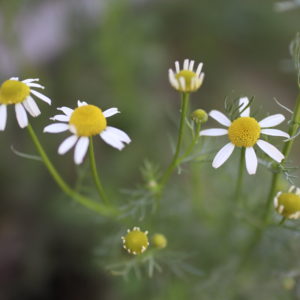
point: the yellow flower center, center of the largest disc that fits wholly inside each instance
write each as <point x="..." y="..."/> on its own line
<point x="13" y="92"/>
<point x="290" y="203"/>
<point x="136" y="241"/>
<point x="244" y="132"/>
<point x="188" y="76"/>
<point x="88" y="120"/>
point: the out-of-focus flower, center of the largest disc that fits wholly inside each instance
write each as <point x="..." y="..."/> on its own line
<point x="135" y="241"/>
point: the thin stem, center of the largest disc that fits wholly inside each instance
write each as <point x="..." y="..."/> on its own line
<point x="282" y="221"/>
<point x="239" y="182"/>
<point x="96" y="177"/>
<point x="174" y="162"/>
<point x="88" y="203"/>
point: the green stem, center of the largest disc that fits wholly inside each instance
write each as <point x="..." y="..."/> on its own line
<point x="94" y="206"/>
<point x="174" y="162"/>
<point x="96" y="177"/>
<point x="282" y="221"/>
<point x="239" y="182"/>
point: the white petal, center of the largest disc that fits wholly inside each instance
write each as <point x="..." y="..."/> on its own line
<point x="21" y="115"/>
<point x="119" y="134"/>
<point x="81" y="149"/>
<point x="81" y="103"/>
<point x="220" y="117"/>
<point x="110" y="112"/>
<point x="251" y="160"/>
<point x="177" y="67"/>
<point x="191" y="66"/>
<point x="67" y="144"/>
<point x="60" y="118"/>
<point x="272" y="121"/>
<point x="66" y="110"/>
<point x="214" y="132"/>
<point x="36" y="85"/>
<point x="223" y="155"/>
<point x="186" y="64"/>
<point x="3" y="116"/>
<point x="31" y="107"/>
<point x="30" y="80"/>
<point x="242" y="104"/>
<point x="199" y="68"/>
<point x="56" y="128"/>
<point x="14" y="78"/>
<point x="275" y="132"/>
<point x="115" y="140"/>
<point x="41" y="96"/>
<point x="270" y="150"/>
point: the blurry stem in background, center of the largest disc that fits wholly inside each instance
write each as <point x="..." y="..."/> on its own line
<point x="294" y="125"/>
<point x="174" y="162"/>
<point x="88" y="203"/>
<point x="96" y="177"/>
<point x="239" y="181"/>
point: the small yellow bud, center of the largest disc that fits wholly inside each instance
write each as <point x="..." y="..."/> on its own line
<point x="288" y="204"/>
<point x="199" y="116"/>
<point x="288" y="283"/>
<point x="135" y="241"/>
<point x="159" y="241"/>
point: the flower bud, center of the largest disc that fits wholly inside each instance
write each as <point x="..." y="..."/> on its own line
<point x="135" y="241"/>
<point x="159" y="241"/>
<point x="199" y="116"/>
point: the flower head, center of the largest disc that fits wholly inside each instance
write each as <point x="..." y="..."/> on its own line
<point x="19" y="94"/>
<point x="199" y="116"/>
<point x="159" y="241"/>
<point x="83" y="122"/>
<point x="135" y="241"/>
<point x="185" y="79"/>
<point x="246" y="132"/>
<point x="288" y="204"/>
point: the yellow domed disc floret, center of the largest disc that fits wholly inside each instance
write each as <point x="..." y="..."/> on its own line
<point x="135" y="241"/>
<point x="13" y="92"/>
<point x="288" y="205"/>
<point x="244" y="132"/>
<point x="88" y="120"/>
<point x="188" y="77"/>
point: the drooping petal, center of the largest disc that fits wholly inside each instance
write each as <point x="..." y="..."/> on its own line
<point x="213" y="132"/>
<point x="270" y="150"/>
<point x="115" y="137"/>
<point x="60" y="118"/>
<point x="21" y="115"/>
<point x="272" y="121"/>
<point x="110" y="112"/>
<point x="67" y="144"/>
<point x="30" y="80"/>
<point x="220" y="117"/>
<point x="14" y="78"/>
<point x="81" y="149"/>
<point x="36" y="85"/>
<point x="56" y="128"/>
<point x="3" y="116"/>
<point x="66" y="110"/>
<point x="223" y="155"/>
<point x="275" y="132"/>
<point x="242" y="104"/>
<point x="41" y="96"/>
<point x="251" y="160"/>
<point x="31" y="107"/>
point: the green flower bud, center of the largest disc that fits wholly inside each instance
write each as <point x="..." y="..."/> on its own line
<point x="199" y="116"/>
<point x="159" y="241"/>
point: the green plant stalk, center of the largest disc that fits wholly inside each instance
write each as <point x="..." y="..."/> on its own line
<point x="295" y="122"/>
<point x="94" y="171"/>
<point x="239" y="181"/>
<point x="174" y="162"/>
<point x="84" y="201"/>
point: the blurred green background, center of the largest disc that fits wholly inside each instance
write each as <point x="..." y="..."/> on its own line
<point x="116" y="54"/>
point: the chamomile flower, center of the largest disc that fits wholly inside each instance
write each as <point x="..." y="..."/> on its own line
<point x="288" y="204"/>
<point x="19" y="93"/>
<point x="83" y="122"/>
<point x="185" y="79"/>
<point x="246" y="131"/>
<point x="135" y="241"/>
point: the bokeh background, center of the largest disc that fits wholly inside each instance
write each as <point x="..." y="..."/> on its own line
<point x="117" y="53"/>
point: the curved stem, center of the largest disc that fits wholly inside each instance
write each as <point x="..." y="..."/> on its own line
<point x="240" y="174"/>
<point x="174" y="162"/>
<point x="96" y="177"/>
<point x="88" y="203"/>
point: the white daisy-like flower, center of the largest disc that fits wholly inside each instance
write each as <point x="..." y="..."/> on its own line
<point x="288" y="204"/>
<point x="185" y="79"/>
<point x="20" y="94"/>
<point x="83" y="122"/>
<point x="246" y="131"/>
